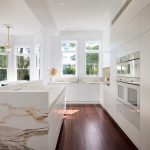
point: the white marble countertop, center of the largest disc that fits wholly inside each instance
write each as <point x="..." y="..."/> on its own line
<point x="51" y="91"/>
<point x="68" y="82"/>
<point x="54" y="93"/>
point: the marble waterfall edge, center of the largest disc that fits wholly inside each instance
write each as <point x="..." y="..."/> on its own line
<point x="23" y="121"/>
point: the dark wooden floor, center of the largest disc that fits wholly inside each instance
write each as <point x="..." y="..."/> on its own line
<point x="88" y="127"/>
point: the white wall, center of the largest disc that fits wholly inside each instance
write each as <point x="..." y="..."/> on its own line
<point x="81" y="38"/>
<point x="129" y="34"/>
<point x="106" y="46"/>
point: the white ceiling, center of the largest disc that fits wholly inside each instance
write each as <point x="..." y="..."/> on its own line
<point x="30" y="16"/>
<point x="18" y="14"/>
<point x="79" y="14"/>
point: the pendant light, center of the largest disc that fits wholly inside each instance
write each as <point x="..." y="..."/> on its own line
<point x="8" y="47"/>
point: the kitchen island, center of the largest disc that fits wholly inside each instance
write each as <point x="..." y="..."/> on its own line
<point x="31" y="116"/>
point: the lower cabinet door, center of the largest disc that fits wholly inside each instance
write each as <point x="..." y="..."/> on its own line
<point x="83" y="92"/>
<point x="94" y="92"/>
<point x="72" y="92"/>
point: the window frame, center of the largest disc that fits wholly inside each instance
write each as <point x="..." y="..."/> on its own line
<point x="76" y="61"/>
<point x="38" y="60"/>
<point x="24" y="55"/>
<point x="93" y="52"/>
<point x="5" y="54"/>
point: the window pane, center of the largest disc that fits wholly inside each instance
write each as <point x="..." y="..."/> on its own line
<point x="69" y="46"/>
<point x="92" y="69"/>
<point x="92" y="58"/>
<point x="3" y="74"/>
<point x="69" y="63"/>
<point x="23" y="74"/>
<point x="3" y="61"/>
<point x="23" y="51"/>
<point x="69" y="69"/>
<point x="23" y="61"/>
<point x="92" y="45"/>
<point x="69" y="58"/>
<point x="2" y="49"/>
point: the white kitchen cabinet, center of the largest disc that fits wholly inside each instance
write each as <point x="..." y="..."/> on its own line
<point x="89" y="92"/>
<point x="145" y="93"/>
<point x="83" y="92"/>
<point x="94" y="92"/>
<point x="129" y="114"/>
<point x="72" y="92"/>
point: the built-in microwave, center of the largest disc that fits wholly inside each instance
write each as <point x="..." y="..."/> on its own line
<point x="122" y="68"/>
<point x="129" y="66"/>
<point x="133" y="68"/>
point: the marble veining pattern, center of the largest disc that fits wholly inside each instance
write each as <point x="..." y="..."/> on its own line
<point x="14" y="138"/>
<point x="7" y="111"/>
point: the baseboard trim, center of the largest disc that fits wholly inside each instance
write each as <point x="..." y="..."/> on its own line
<point x="86" y="102"/>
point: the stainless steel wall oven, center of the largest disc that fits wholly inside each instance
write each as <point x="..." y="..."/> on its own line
<point x="128" y="80"/>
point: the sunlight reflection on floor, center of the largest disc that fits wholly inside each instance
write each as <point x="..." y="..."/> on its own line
<point x="69" y="113"/>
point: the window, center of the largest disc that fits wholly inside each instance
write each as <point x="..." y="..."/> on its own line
<point x="23" y="63"/>
<point x="92" y="57"/>
<point x="69" y="60"/>
<point x="3" y="64"/>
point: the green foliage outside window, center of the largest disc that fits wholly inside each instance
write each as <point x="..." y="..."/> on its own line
<point x="3" y="74"/>
<point x="92" y="45"/>
<point x="23" y="74"/>
<point x="92" y="69"/>
<point x="69" y="69"/>
<point x="23" y="62"/>
<point x="92" y="60"/>
<point x="3" y="61"/>
<point x="3" y="67"/>
<point x="95" y="47"/>
<point x="2" y="49"/>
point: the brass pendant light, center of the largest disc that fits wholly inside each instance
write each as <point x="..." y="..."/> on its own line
<point x="7" y="45"/>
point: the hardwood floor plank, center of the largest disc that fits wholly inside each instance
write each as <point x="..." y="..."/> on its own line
<point x="88" y="127"/>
